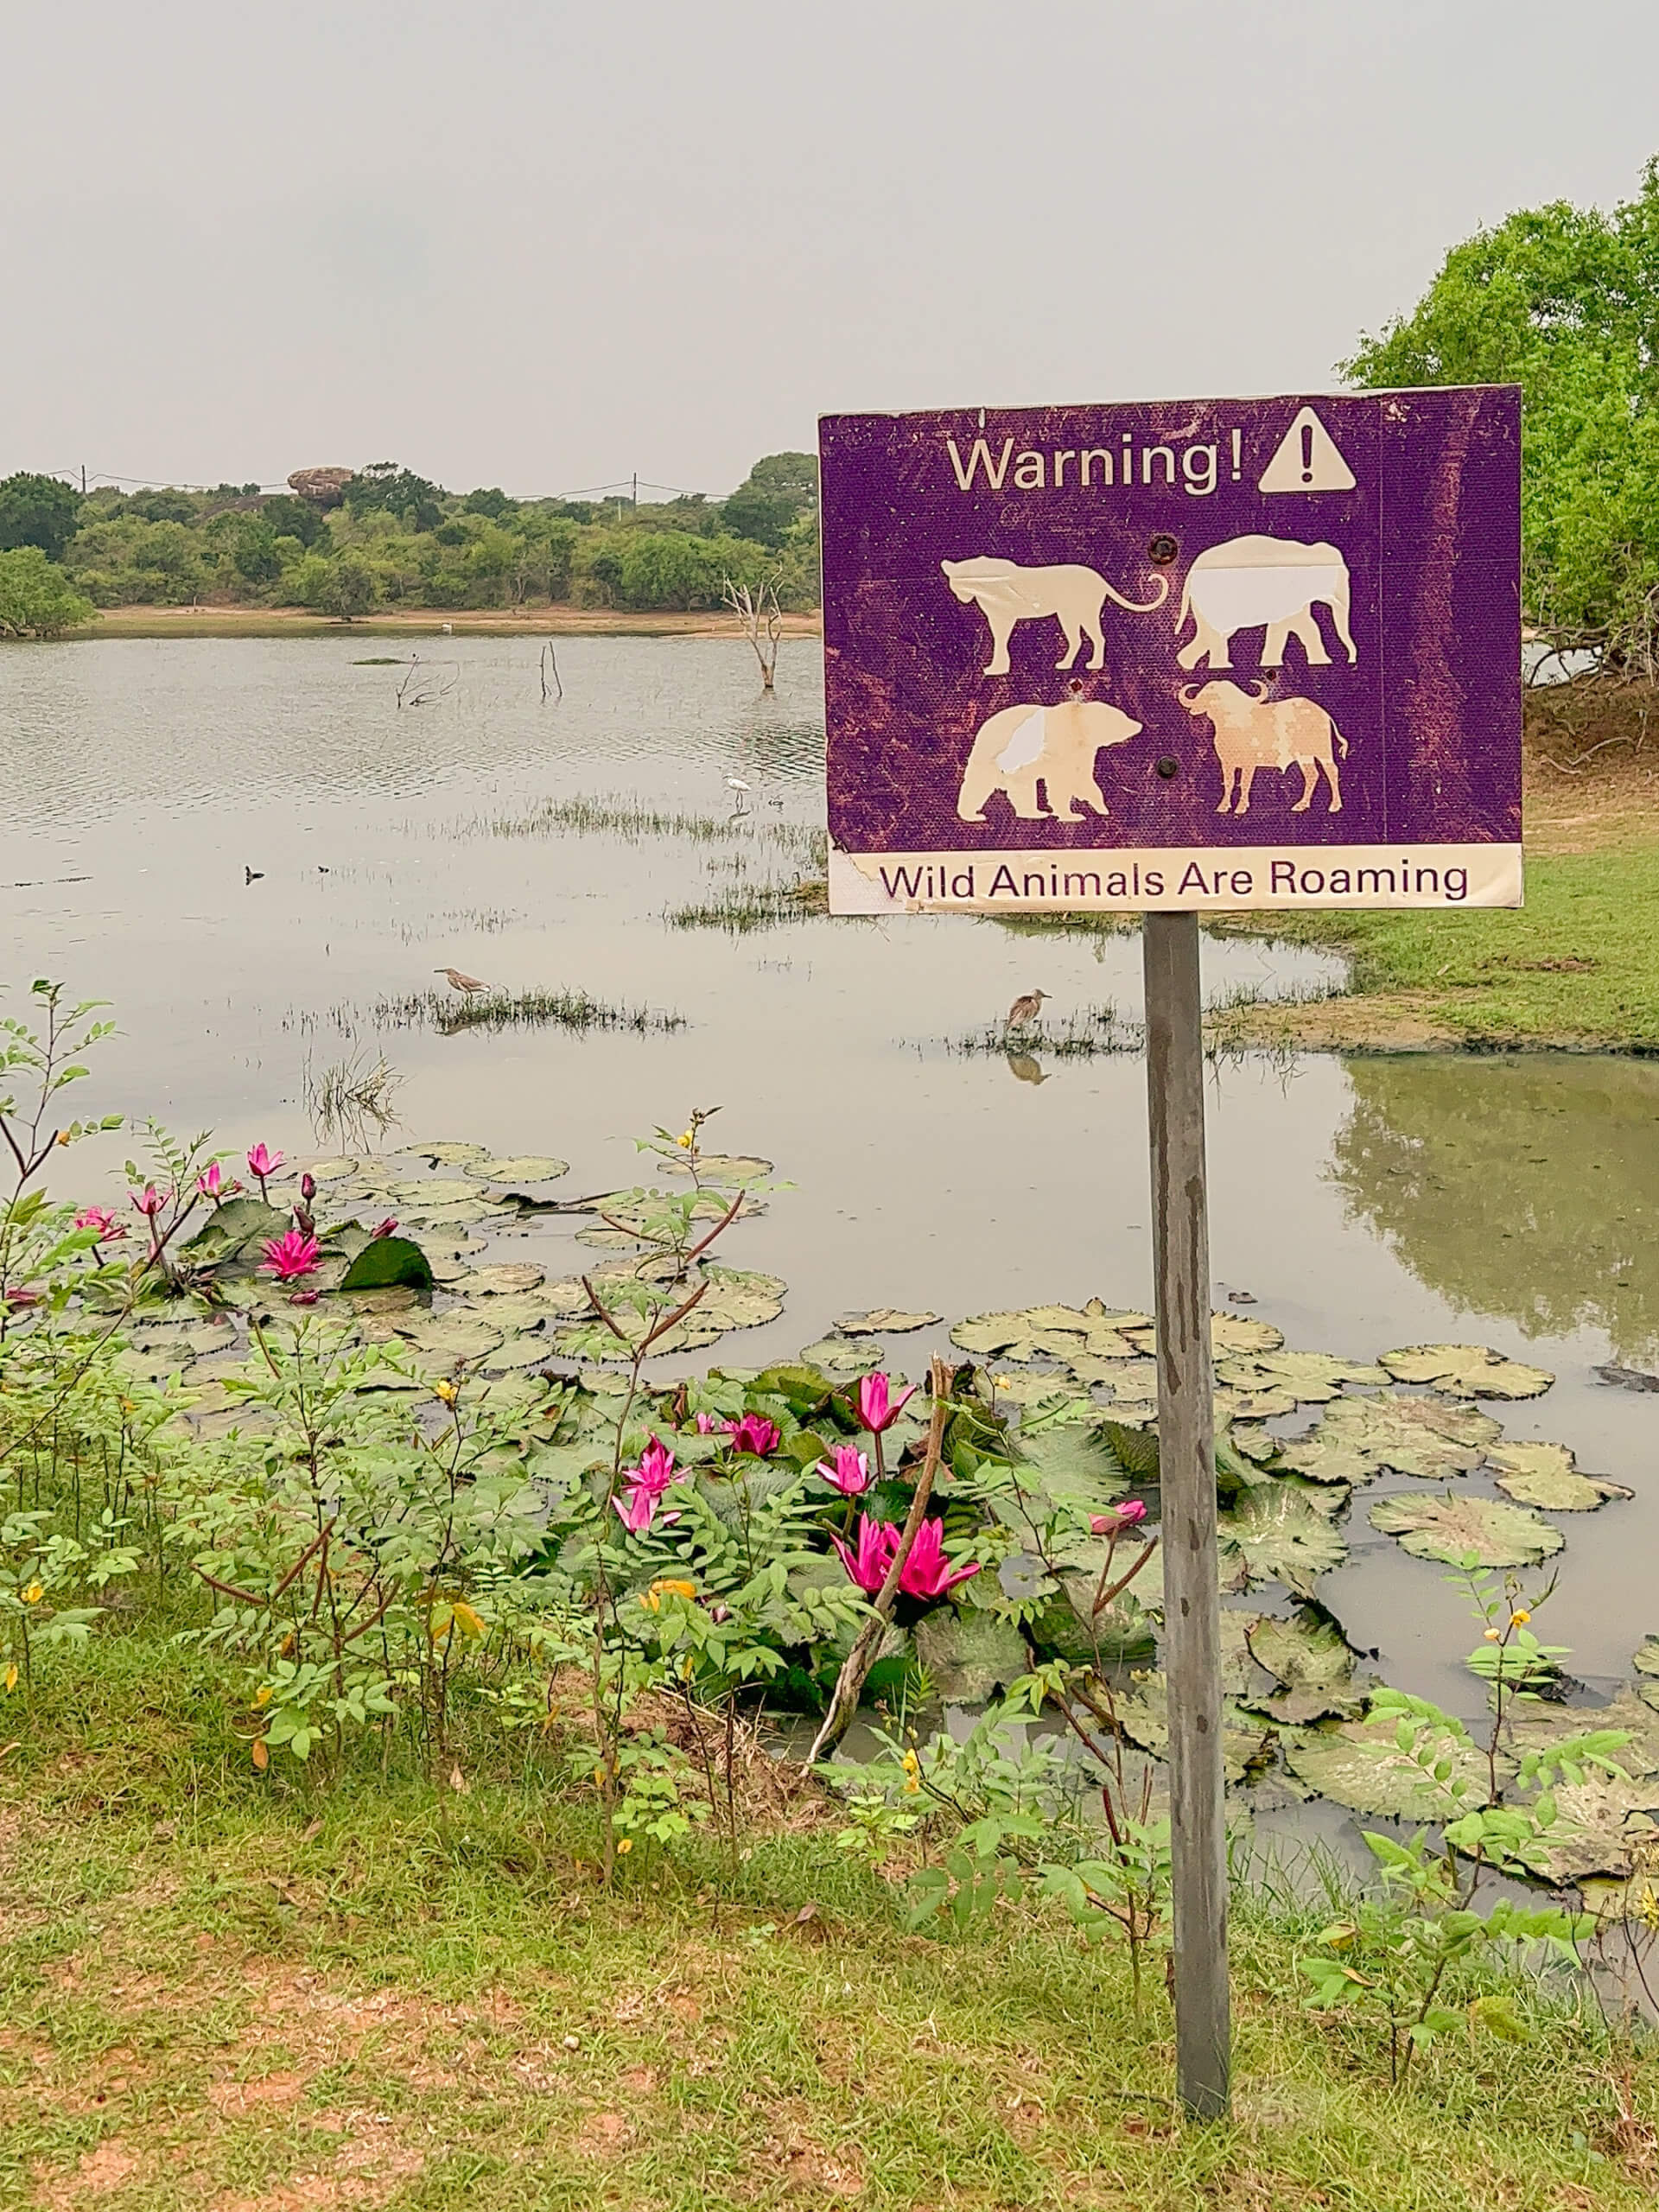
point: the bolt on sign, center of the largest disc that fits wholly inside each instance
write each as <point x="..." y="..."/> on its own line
<point x="1179" y="655"/>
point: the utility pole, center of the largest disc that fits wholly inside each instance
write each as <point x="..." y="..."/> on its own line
<point x="636" y="487"/>
<point x="83" y="479"/>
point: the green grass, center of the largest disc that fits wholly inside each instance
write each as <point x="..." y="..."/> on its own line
<point x="229" y="1992"/>
<point x="1576" y="965"/>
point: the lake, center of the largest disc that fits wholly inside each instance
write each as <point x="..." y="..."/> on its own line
<point x="1364" y="1204"/>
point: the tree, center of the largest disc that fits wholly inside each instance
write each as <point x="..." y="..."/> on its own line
<point x="664" y="569"/>
<point x="292" y="518"/>
<point x="37" y="511"/>
<point x="348" y="588"/>
<point x="1564" y="302"/>
<point x="488" y="500"/>
<point x="776" y="494"/>
<point x="36" y="598"/>
<point x="385" y="488"/>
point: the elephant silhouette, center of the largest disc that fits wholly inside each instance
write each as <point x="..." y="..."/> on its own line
<point x="1019" y="747"/>
<point x="1007" y="593"/>
<point x="1247" y="582"/>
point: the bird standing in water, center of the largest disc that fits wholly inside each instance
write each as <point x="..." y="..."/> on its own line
<point x="1025" y="1010"/>
<point x="458" y="982"/>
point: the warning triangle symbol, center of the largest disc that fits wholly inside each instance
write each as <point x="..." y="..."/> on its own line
<point x="1306" y="460"/>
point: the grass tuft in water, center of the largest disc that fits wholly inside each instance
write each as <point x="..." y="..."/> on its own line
<point x="754" y="906"/>
<point x="628" y="819"/>
<point x="352" y="1098"/>
<point x="495" y="1010"/>
<point x="1098" y="1030"/>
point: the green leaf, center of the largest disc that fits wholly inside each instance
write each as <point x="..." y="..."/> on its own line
<point x="1311" y="1659"/>
<point x="1454" y="1528"/>
<point x="1544" y="1475"/>
<point x="386" y="1262"/>
<point x="1466" y="1371"/>
<point x="969" y="1655"/>
<point x="1280" y="1531"/>
<point x="1310" y="1377"/>
<point x="1359" y="1438"/>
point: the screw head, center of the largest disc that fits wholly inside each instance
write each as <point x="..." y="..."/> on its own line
<point x="1162" y="548"/>
<point x="1168" y="768"/>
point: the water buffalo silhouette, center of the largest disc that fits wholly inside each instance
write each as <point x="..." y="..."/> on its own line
<point x="1252" y="732"/>
<point x="1008" y="594"/>
<point x="1023" y="747"/>
<point x="1249" y="581"/>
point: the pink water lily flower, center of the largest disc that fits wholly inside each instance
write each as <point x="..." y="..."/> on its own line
<point x="212" y="1185"/>
<point x="656" y="1469"/>
<point x="385" y="1227"/>
<point x="291" y="1255"/>
<point x="927" y="1572"/>
<point x="848" y="1469"/>
<point x="261" y="1165"/>
<point x="878" y="1408"/>
<point x="868" y="1564"/>
<point x="637" y="1508"/>
<point x="1121" y="1517"/>
<point x="149" y="1201"/>
<point x="708" y="1423"/>
<point x="103" y="1221"/>
<point x="756" y="1434"/>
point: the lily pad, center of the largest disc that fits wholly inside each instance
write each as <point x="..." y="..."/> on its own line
<point x="1255" y="1404"/>
<point x="1646" y="1660"/>
<point x="1360" y="1765"/>
<point x="1074" y="1468"/>
<point x="1057" y="1331"/>
<point x="1602" y="1829"/>
<point x="1359" y="1438"/>
<point x="1230" y="1335"/>
<point x="1282" y="1532"/>
<point x="1314" y="1664"/>
<point x="739" y="1298"/>
<point x="506" y="1276"/>
<point x="1310" y="1377"/>
<point x="525" y="1350"/>
<point x="1539" y="1727"/>
<point x="446" y="1152"/>
<point x="328" y="1171"/>
<point x="1451" y="1529"/>
<point x="1544" y="1475"/>
<point x="455" y="1335"/>
<point x="883" y="1320"/>
<point x="1466" y="1371"/>
<point x="434" y="1190"/>
<point x="523" y="1168"/>
<point x="389" y="1262"/>
<point x="1143" y="1715"/>
<point x="240" y="1226"/>
<point x="726" y="1171"/>
<point x="969" y="1655"/>
<point x="837" y="1354"/>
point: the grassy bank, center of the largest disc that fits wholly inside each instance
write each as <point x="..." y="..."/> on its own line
<point x="556" y="621"/>
<point x="1577" y="967"/>
<point x="224" y="1992"/>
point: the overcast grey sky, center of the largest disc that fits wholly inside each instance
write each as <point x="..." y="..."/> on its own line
<point x="545" y="246"/>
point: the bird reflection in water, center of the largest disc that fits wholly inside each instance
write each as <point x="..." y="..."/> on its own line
<point x="1024" y="1069"/>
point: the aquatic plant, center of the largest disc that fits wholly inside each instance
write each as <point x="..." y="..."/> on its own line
<point x="491" y="1010"/>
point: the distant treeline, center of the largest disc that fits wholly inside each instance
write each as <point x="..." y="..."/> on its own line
<point x="385" y="536"/>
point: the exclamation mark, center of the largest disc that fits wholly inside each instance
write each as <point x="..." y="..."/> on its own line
<point x="1307" y="453"/>
<point x="1238" y="441"/>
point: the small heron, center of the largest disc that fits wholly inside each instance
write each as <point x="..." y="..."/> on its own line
<point x="460" y="982"/>
<point x="737" y="784"/>
<point x="1025" y="1009"/>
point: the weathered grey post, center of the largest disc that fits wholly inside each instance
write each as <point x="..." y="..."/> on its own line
<point x="1180" y="1230"/>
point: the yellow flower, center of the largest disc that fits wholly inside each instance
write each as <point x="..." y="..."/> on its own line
<point x="686" y="1138"/>
<point x="912" y="1767"/>
<point x="448" y="1391"/>
<point x="11" y="1678"/>
<point x="652" y="1602"/>
<point x="625" y="1845"/>
<point x="262" y="1694"/>
<point x="1491" y="1636"/>
<point x="599" y="1778"/>
<point x="34" y="1594"/>
<point x="63" y="1136"/>
<point x="671" y="1586"/>
<point x="1520" y="1617"/>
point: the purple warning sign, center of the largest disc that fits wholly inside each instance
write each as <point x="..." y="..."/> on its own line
<point x="1183" y="654"/>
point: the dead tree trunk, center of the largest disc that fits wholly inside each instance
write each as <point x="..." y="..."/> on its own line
<point x="762" y="619"/>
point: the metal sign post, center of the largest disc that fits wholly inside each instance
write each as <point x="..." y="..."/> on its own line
<point x="1177" y="658"/>
<point x="1186" y="1462"/>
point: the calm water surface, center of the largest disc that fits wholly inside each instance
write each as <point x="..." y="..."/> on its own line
<point x="1365" y="1204"/>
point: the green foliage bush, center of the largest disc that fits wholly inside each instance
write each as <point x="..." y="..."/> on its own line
<point x="36" y="599"/>
<point x="1564" y="302"/>
<point x="398" y="539"/>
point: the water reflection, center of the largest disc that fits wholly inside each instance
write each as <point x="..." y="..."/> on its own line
<point x="1528" y="1187"/>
